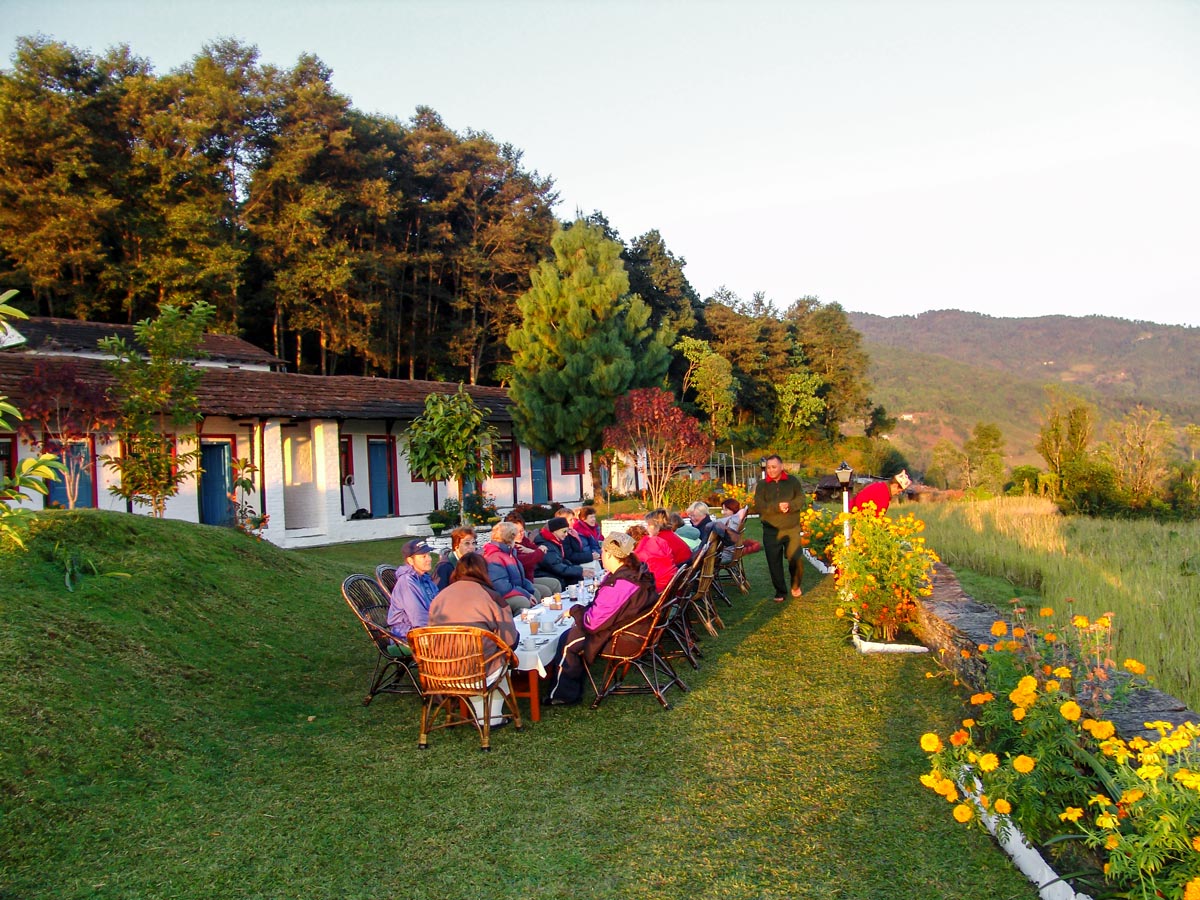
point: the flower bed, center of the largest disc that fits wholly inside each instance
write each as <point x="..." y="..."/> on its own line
<point x="1048" y="760"/>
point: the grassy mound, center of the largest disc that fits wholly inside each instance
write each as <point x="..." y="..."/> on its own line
<point x="195" y="730"/>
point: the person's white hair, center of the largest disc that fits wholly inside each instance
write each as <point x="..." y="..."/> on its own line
<point x="504" y="532"/>
<point x="698" y="507"/>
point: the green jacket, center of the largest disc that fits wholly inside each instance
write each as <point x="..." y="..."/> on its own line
<point x="769" y="494"/>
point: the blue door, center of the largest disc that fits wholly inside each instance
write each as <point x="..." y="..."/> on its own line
<point x="379" y="474"/>
<point x="537" y="473"/>
<point x="216" y="484"/>
<point x="77" y="456"/>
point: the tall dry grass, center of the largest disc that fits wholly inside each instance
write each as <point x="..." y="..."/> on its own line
<point x="1137" y="570"/>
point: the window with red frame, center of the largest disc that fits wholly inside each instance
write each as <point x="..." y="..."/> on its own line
<point x="506" y="455"/>
<point x="572" y="463"/>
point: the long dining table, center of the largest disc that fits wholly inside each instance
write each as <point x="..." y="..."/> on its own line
<point x="535" y="652"/>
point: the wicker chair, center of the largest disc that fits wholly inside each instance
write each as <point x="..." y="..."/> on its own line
<point x="453" y="662"/>
<point x="635" y="647"/>
<point x="385" y="575"/>
<point x="701" y="604"/>
<point x="678" y="629"/>
<point x="394" y="665"/>
<point x="732" y="571"/>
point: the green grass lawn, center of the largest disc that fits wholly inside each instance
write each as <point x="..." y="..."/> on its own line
<point x="196" y="731"/>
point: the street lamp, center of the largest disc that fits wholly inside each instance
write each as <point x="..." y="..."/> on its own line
<point x="845" y="476"/>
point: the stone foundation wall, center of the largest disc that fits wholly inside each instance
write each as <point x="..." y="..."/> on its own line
<point x="950" y="621"/>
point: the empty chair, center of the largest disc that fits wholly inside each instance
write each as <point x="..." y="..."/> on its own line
<point x="701" y="604"/>
<point x="394" y="662"/>
<point x="385" y="574"/>
<point x="730" y="570"/>
<point x="460" y="663"/>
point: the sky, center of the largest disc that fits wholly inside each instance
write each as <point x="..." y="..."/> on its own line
<point x="1015" y="158"/>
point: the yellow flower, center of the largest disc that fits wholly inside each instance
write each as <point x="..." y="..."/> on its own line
<point x="1135" y="667"/>
<point x="1070" y="711"/>
<point x="1062" y="672"/>
<point x="1045" y="612"/>
<point x="968" y="723"/>
<point x="1150" y="772"/>
<point x="999" y="628"/>
<point x="930" y="742"/>
<point x="989" y="762"/>
<point x="1196" y="843"/>
<point x="1133" y="795"/>
<point x="1080" y="621"/>
<point x="1112" y="842"/>
<point x="963" y="813"/>
<point x="839" y="612"/>
<point x="1018" y="632"/>
<point x="1099" y="800"/>
<point x="1024" y="764"/>
<point x="1071" y="814"/>
<point x="1101" y="730"/>
<point x="1052" y="685"/>
<point x="1003" y="807"/>
<point x="1191" y="890"/>
<point x="1019" y="713"/>
<point x="1107" y="820"/>
<point x="930" y="780"/>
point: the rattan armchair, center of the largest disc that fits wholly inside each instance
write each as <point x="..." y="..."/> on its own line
<point x="634" y="647"/>
<point x="385" y="575"/>
<point x="456" y="663"/>
<point x="731" y="571"/>
<point x="394" y="663"/>
<point x="700" y="604"/>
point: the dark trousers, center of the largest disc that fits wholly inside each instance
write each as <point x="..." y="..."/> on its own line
<point x="779" y="545"/>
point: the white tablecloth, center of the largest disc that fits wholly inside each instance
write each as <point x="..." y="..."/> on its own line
<point x="536" y="651"/>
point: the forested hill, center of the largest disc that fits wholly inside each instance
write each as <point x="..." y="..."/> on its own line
<point x="955" y="368"/>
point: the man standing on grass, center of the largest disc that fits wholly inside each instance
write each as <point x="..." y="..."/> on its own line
<point x="778" y="500"/>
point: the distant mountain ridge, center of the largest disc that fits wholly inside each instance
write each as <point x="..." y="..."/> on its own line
<point x="949" y="369"/>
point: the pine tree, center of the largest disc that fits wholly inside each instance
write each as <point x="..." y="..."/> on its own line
<point x="584" y="341"/>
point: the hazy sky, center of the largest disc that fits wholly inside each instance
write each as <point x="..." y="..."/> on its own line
<point x="1013" y="158"/>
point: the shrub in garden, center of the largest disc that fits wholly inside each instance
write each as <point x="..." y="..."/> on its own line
<point x="820" y="528"/>
<point x="882" y="571"/>
<point x="1038" y="753"/>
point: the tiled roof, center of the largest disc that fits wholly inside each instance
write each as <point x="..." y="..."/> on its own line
<point x="50" y="335"/>
<point x="253" y="392"/>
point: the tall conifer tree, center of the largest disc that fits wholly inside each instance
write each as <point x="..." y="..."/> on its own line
<point x="583" y="341"/>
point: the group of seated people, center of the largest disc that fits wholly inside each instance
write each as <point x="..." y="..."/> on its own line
<point x="512" y="572"/>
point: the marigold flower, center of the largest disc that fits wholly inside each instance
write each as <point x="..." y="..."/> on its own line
<point x="1018" y="632"/>
<point x="1052" y="685"/>
<point x="1045" y="612"/>
<point x="1151" y="772"/>
<point x="965" y="654"/>
<point x="1018" y="713"/>
<point x="930" y="780"/>
<point x="1024" y="764"/>
<point x="980" y="699"/>
<point x="1050" y="637"/>
<point x="959" y="738"/>
<point x="963" y="813"/>
<point x="984" y="801"/>
<point x="1112" y="841"/>
<point x="1071" y="814"/>
<point x="999" y="628"/>
<point x="1135" y="667"/>
<point x="1062" y="672"/>
<point x="1003" y="807"/>
<point x="1080" y="621"/>
<point x="989" y="762"/>
<point x="1196" y="843"/>
<point x="1101" y="730"/>
<point x="1191" y="890"/>
<point x="968" y="723"/>
<point x="839" y="612"/>
<point x="930" y="742"/>
<point x="1070" y="711"/>
<point x="1133" y="795"/>
<point x="1099" y="800"/>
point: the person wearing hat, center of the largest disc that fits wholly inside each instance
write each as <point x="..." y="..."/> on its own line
<point x="414" y="590"/>
<point x="626" y="592"/>
<point x="555" y="563"/>
<point x="880" y="493"/>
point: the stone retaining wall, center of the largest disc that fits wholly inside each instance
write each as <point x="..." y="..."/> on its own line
<point x="950" y="621"/>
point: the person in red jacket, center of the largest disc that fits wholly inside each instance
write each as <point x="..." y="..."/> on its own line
<point x="880" y="493"/>
<point x="658" y="523"/>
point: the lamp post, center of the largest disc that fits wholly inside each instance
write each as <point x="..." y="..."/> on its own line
<point x="845" y="475"/>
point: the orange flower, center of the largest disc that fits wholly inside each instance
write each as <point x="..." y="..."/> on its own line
<point x="1135" y="667"/>
<point x="1018" y="632"/>
<point x="980" y="699"/>
<point x="959" y="738"/>
<point x="1050" y="637"/>
<point x="1045" y="612"/>
<point x="963" y="813"/>
<point x="1003" y="807"/>
<point x="1024" y="764"/>
<point x="966" y="654"/>
<point x="968" y="723"/>
<point x="1018" y="713"/>
<point x="1112" y="842"/>
<point x="999" y="628"/>
<point x="1070" y="711"/>
<point x="983" y="648"/>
